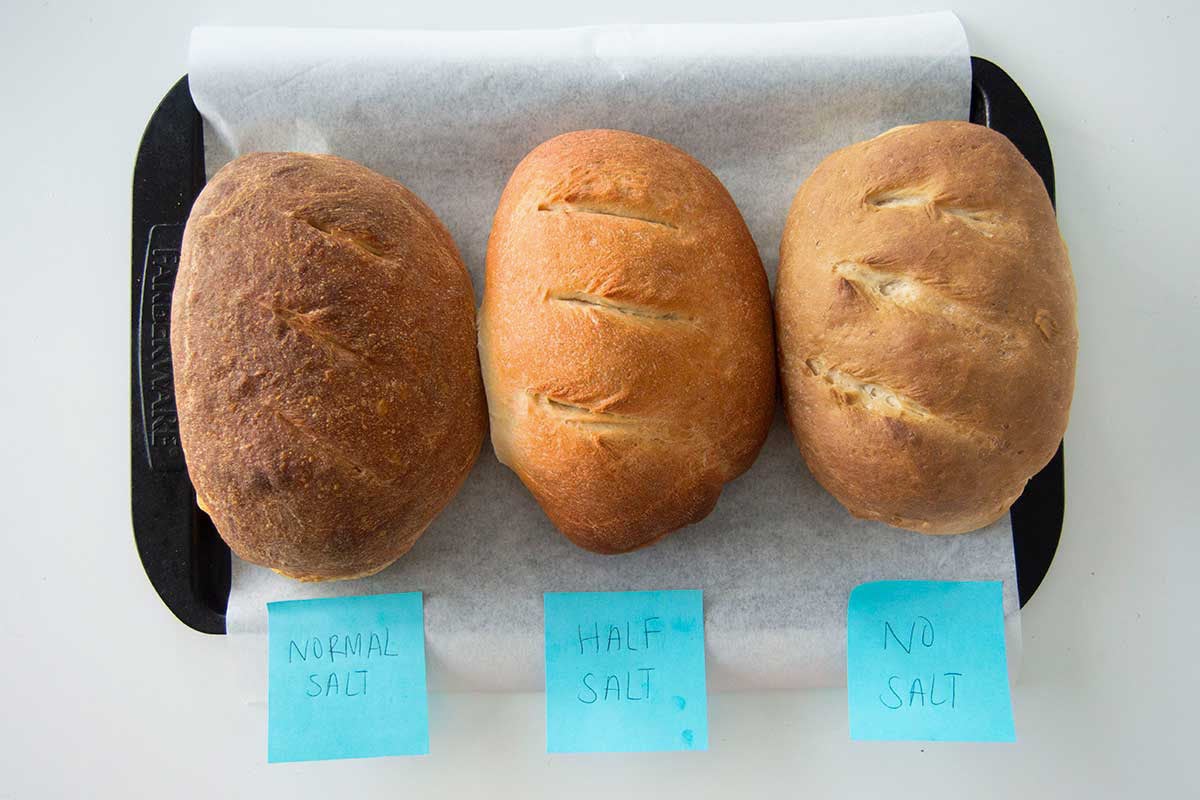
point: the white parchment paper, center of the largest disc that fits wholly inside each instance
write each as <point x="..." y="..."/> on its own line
<point x="450" y="115"/>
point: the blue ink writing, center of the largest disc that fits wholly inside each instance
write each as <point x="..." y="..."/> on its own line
<point x="639" y="638"/>
<point x="634" y="636"/>
<point x="917" y="693"/>
<point x="352" y="683"/>
<point x="926" y="635"/>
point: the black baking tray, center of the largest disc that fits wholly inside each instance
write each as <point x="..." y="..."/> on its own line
<point x="182" y="553"/>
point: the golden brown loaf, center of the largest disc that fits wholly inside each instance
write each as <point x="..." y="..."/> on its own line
<point x="323" y="337"/>
<point x="926" y="320"/>
<point x="625" y="337"/>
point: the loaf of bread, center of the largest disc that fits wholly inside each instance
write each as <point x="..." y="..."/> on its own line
<point x="926" y="319"/>
<point x="625" y="337"/>
<point x="328" y="386"/>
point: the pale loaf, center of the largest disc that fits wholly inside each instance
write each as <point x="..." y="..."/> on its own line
<point x="925" y="313"/>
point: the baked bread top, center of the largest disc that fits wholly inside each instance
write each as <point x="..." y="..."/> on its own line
<point x="625" y="336"/>
<point x="925" y="315"/>
<point x="327" y="381"/>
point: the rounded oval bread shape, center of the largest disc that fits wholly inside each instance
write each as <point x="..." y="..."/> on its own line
<point x="926" y="323"/>
<point x="625" y="337"/>
<point x="328" y="387"/>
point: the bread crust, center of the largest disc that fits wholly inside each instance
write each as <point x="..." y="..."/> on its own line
<point x="625" y="336"/>
<point x="329" y="396"/>
<point x="925" y="311"/>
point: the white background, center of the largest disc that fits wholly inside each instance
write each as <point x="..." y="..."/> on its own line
<point x="106" y="695"/>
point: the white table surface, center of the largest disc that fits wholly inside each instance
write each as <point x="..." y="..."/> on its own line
<point x="105" y="694"/>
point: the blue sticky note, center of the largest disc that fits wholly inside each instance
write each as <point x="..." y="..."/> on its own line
<point x="926" y="661"/>
<point x="347" y="678"/>
<point x="625" y="672"/>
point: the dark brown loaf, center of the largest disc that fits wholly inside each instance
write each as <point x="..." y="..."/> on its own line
<point x="625" y="337"/>
<point x="328" y="386"/>
<point x="926" y="322"/>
